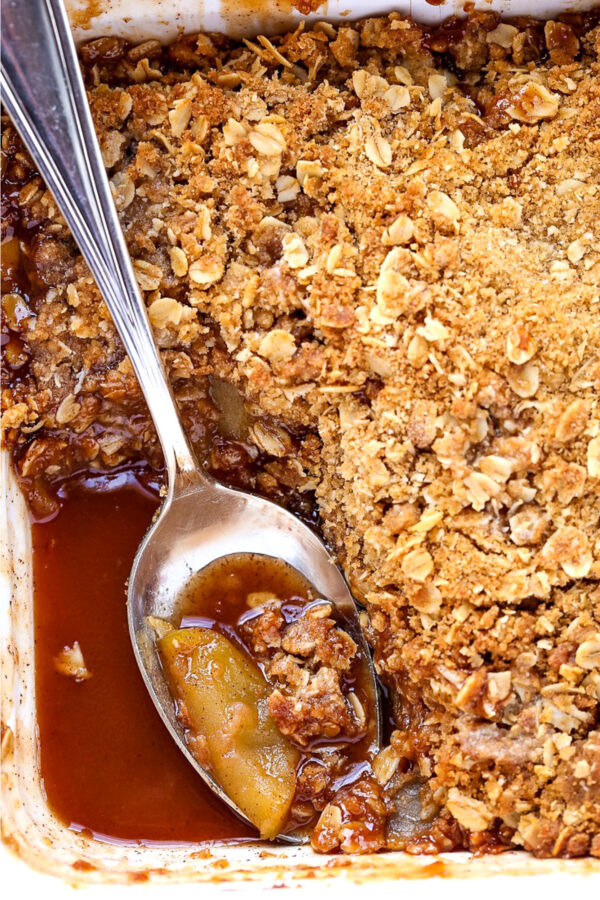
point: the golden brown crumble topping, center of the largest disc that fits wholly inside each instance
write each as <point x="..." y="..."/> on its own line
<point x="306" y="660"/>
<point x="387" y="238"/>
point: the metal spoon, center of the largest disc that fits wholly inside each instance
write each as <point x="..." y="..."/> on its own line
<point x="200" y="520"/>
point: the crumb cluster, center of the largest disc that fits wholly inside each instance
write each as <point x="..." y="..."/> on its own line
<point x="306" y="661"/>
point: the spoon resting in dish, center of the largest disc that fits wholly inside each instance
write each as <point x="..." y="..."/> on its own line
<point x="200" y="521"/>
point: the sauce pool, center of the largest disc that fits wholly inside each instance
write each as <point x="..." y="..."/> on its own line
<point x="108" y="764"/>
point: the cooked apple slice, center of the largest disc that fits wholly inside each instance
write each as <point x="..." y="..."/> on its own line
<point x="224" y="700"/>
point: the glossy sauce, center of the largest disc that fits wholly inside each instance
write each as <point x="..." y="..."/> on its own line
<point x="108" y="763"/>
<point x="217" y="596"/>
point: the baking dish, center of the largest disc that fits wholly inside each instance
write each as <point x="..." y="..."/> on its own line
<point x="30" y="827"/>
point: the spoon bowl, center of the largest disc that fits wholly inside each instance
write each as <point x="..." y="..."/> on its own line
<point x="199" y="523"/>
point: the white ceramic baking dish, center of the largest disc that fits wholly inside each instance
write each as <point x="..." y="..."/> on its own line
<point x="31" y="833"/>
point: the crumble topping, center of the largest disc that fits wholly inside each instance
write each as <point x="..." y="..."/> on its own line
<point x="306" y="660"/>
<point x="387" y="238"/>
<point x="355" y="822"/>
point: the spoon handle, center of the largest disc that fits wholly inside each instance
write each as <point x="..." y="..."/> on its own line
<point x="45" y="96"/>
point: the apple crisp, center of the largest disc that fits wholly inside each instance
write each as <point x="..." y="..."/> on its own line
<point x="385" y="237"/>
<point x="274" y="697"/>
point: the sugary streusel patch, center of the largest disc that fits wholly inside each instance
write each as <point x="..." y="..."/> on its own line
<point x="388" y="240"/>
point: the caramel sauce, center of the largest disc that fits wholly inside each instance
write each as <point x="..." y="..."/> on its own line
<point x="219" y="592"/>
<point x="109" y="766"/>
<point x="216" y="597"/>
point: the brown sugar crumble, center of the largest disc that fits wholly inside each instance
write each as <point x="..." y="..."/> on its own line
<point x="306" y="659"/>
<point x="385" y="237"/>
